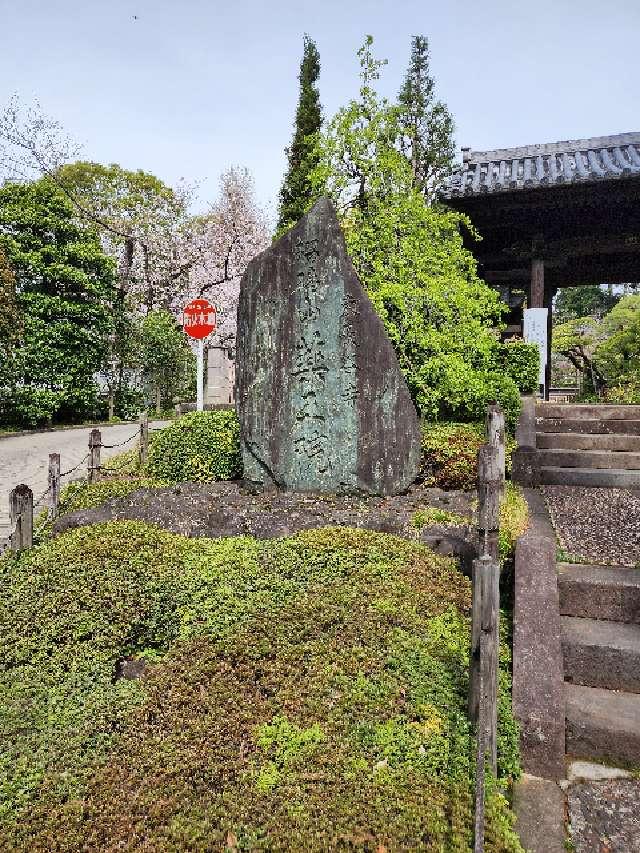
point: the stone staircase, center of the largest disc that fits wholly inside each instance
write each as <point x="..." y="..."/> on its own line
<point x="600" y="622"/>
<point x="588" y="445"/>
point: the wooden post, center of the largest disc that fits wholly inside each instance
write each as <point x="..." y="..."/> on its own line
<point x="496" y="436"/>
<point x="489" y="646"/>
<point x="144" y="438"/>
<point x="93" y="466"/>
<point x="489" y="487"/>
<point x="537" y="284"/>
<point x="54" y="483"/>
<point x="486" y="608"/>
<point x="21" y="515"/>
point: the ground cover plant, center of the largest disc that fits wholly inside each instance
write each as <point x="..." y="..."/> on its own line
<point x="301" y="693"/>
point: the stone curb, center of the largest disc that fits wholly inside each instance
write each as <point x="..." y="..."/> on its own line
<point x="538" y="695"/>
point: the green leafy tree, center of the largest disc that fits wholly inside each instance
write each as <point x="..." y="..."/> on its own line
<point x="64" y="289"/>
<point x="572" y="303"/>
<point x="168" y="362"/>
<point x="617" y="356"/>
<point x="427" y="126"/>
<point x="409" y="255"/>
<point x="296" y="191"/>
<point x="10" y="321"/>
<point x="577" y="340"/>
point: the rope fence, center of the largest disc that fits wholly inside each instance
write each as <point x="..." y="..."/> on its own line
<point x="21" y="501"/>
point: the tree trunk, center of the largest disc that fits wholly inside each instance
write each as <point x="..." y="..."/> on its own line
<point x="112" y="402"/>
<point x="147" y="279"/>
<point x="158" y="400"/>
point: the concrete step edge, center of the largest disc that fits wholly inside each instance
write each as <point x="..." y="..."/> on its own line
<point x="602" y="724"/>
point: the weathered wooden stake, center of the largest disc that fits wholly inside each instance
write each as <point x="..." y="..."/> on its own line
<point x="496" y="436"/>
<point x="93" y="466"/>
<point x="21" y="515"/>
<point x="144" y="438"/>
<point x="489" y="488"/>
<point x="489" y="647"/>
<point x="54" y="483"/>
<point x="484" y="668"/>
<point x="489" y="485"/>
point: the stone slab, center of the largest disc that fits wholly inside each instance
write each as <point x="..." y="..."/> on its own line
<point x="625" y="427"/>
<point x="323" y="404"/>
<point x="539" y="805"/>
<point x="599" y="592"/>
<point x="589" y="459"/>
<point x="600" y="653"/>
<point x="603" y="724"/>
<point x="588" y="441"/>
<point x="587" y="411"/>
<point x="610" y="478"/>
<point x="604" y="817"/>
<point x="538" y="697"/>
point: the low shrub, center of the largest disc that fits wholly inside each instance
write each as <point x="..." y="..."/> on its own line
<point x="306" y="693"/>
<point x="450" y="454"/>
<point x="198" y="447"/>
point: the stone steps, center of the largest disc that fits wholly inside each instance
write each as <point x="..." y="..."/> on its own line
<point x="599" y="592"/>
<point x="554" y="458"/>
<point x="587" y="411"/>
<point x="602" y="724"/>
<point x="588" y="441"/>
<point x="581" y="425"/>
<point x="615" y="478"/>
<point x="603" y="654"/>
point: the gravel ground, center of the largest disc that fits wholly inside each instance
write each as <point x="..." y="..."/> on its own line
<point x="604" y="817"/>
<point x="599" y="526"/>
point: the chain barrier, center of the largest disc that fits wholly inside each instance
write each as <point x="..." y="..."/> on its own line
<point x="71" y="470"/>
<point x="120" y="443"/>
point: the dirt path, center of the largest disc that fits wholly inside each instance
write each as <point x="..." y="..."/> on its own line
<point x="25" y="458"/>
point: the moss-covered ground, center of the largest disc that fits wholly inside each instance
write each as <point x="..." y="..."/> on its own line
<point x="301" y="694"/>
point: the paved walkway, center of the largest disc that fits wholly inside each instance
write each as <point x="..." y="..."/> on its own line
<point x="25" y="458"/>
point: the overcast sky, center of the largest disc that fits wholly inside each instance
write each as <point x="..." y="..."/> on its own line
<point x="186" y="89"/>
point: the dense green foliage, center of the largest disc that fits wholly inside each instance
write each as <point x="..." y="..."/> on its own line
<point x="64" y="292"/>
<point x="296" y="191"/>
<point x="606" y="351"/>
<point x="590" y="300"/>
<point x="617" y="354"/>
<point x="521" y="362"/>
<point x="410" y="256"/>
<point x="427" y="126"/>
<point x="199" y="447"/>
<point x="450" y="454"/>
<point x="302" y="693"/>
<point x="168" y="362"/>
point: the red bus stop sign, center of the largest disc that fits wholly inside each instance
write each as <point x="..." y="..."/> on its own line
<point x="199" y="318"/>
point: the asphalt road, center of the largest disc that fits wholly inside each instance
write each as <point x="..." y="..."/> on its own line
<point x="25" y="459"/>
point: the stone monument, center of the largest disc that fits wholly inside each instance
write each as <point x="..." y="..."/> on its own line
<point x="323" y="405"/>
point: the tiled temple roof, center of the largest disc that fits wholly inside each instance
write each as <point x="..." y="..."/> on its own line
<point x="533" y="166"/>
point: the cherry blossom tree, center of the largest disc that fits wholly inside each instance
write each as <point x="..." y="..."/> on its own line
<point x="219" y="246"/>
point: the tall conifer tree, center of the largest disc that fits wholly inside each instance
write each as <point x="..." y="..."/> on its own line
<point x="427" y="124"/>
<point x="295" y="193"/>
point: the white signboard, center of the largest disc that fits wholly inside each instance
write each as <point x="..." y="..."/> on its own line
<point x="535" y="332"/>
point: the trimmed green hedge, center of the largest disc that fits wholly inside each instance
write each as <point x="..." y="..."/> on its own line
<point x="198" y="447"/>
<point x="302" y="694"/>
